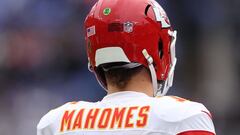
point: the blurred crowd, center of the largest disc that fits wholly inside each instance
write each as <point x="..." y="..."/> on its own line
<point x="43" y="62"/>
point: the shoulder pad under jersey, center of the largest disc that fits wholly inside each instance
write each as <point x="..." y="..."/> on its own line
<point x="172" y="108"/>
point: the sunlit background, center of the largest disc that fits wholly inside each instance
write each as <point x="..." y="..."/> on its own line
<point x="43" y="63"/>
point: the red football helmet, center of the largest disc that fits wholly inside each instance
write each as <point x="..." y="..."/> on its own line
<point x="135" y="32"/>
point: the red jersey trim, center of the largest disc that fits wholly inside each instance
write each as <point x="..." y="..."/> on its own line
<point x="196" y="132"/>
<point x="208" y="113"/>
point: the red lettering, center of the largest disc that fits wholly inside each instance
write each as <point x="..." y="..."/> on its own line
<point x="67" y="120"/>
<point x="104" y="119"/>
<point x="91" y="118"/>
<point x="118" y="117"/>
<point x="128" y="123"/>
<point x="143" y="116"/>
<point x="78" y="120"/>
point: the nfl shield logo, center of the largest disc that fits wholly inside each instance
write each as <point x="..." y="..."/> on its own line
<point x="128" y="27"/>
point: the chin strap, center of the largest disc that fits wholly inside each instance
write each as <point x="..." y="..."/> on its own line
<point x="152" y="71"/>
<point x="161" y="88"/>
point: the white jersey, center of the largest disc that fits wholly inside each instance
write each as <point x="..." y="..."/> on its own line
<point x="128" y="113"/>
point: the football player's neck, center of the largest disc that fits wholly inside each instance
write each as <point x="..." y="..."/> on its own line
<point x="140" y="82"/>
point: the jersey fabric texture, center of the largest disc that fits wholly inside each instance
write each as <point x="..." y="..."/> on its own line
<point x="129" y="113"/>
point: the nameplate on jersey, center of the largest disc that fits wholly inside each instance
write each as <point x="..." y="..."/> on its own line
<point x="105" y="118"/>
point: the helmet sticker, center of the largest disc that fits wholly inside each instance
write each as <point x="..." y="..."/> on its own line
<point x="91" y="31"/>
<point x="107" y="11"/>
<point x="128" y="27"/>
<point x="161" y="15"/>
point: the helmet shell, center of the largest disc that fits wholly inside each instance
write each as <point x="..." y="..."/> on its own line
<point x="132" y="25"/>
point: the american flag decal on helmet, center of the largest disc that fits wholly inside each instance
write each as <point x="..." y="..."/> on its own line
<point x="91" y="31"/>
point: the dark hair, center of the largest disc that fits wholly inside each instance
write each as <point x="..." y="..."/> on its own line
<point x="121" y="76"/>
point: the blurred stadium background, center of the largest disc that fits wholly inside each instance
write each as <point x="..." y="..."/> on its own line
<point x="43" y="63"/>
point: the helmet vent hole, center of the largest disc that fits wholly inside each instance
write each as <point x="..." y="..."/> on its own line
<point x="160" y="47"/>
<point x="146" y="9"/>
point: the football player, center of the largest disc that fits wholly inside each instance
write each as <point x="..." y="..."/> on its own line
<point x="131" y="51"/>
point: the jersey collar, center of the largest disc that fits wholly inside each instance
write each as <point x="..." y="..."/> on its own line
<point x="124" y="95"/>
